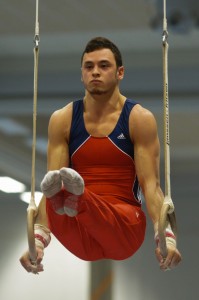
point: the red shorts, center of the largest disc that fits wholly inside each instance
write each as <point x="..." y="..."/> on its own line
<point x="104" y="228"/>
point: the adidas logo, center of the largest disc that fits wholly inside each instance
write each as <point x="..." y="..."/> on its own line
<point x="121" y="137"/>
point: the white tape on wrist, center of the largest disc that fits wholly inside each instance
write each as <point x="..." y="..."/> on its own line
<point x="42" y="236"/>
<point x="169" y="235"/>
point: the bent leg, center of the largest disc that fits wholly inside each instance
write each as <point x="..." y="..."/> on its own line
<point x="52" y="184"/>
<point x="117" y="226"/>
<point x="103" y="228"/>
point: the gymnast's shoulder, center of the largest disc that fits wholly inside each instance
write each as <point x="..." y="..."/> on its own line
<point x="142" y="122"/>
<point x="62" y="113"/>
<point x="61" y="118"/>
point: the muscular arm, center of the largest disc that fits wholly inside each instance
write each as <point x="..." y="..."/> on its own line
<point x="146" y="154"/>
<point x="57" y="152"/>
<point x="58" y="157"/>
<point x="58" y="136"/>
<point x="144" y="134"/>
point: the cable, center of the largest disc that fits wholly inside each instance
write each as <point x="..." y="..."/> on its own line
<point x="32" y="209"/>
<point x="167" y="214"/>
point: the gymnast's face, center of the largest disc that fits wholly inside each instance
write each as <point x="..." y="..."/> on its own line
<point x="100" y="75"/>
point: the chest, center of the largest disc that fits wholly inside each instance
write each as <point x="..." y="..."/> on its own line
<point x="103" y="153"/>
<point x="100" y="126"/>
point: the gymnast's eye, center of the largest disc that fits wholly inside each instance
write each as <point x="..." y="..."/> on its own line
<point x="88" y="66"/>
<point x="105" y="65"/>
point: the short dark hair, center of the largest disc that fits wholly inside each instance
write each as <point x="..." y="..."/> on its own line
<point x="99" y="43"/>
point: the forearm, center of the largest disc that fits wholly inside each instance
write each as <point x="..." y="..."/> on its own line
<point x="154" y="199"/>
<point x="41" y="217"/>
<point x="42" y="240"/>
<point x="41" y="230"/>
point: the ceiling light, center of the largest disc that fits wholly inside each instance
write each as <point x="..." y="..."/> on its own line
<point x="11" y="127"/>
<point x="26" y="196"/>
<point x="9" y="185"/>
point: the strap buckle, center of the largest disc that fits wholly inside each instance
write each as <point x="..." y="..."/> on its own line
<point x="165" y="37"/>
<point x="37" y="40"/>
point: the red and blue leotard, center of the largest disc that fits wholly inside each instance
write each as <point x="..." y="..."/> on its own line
<point x="110" y="222"/>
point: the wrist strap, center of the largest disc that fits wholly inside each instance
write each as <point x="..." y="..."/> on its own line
<point x="42" y="236"/>
<point x="170" y="237"/>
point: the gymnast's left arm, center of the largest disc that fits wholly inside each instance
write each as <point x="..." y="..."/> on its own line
<point x="143" y="131"/>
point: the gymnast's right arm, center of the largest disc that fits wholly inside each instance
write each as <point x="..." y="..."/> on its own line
<point x="57" y="156"/>
<point x="42" y="239"/>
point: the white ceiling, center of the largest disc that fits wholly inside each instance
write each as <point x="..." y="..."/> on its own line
<point x="72" y="16"/>
<point x="65" y="25"/>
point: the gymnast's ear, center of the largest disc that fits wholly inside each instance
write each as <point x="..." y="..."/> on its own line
<point x="81" y="75"/>
<point x="120" y="72"/>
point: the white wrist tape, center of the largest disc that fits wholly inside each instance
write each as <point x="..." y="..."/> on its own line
<point x="42" y="236"/>
<point x="169" y="235"/>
